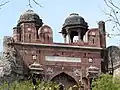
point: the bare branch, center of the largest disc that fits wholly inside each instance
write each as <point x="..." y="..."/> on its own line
<point x="113" y="14"/>
<point x="107" y="4"/>
<point x="117" y="20"/>
<point x="4" y="3"/>
<point x="111" y="2"/>
<point x="29" y="3"/>
<point x="37" y="3"/>
<point x="109" y="15"/>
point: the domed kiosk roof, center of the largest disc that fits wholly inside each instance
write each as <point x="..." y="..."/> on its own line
<point x="74" y="19"/>
<point x="29" y="16"/>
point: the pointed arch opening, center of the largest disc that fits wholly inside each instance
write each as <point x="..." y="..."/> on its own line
<point x="64" y="80"/>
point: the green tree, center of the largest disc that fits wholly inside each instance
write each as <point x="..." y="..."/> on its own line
<point x="106" y="82"/>
<point x="27" y="85"/>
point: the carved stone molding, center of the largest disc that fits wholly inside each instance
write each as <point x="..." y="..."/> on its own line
<point x="77" y="72"/>
<point x="49" y="70"/>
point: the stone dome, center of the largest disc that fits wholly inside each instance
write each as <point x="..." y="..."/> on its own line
<point x="30" y="16"/>
<point x="45" y="29"/>
<point x="75" y="19"/>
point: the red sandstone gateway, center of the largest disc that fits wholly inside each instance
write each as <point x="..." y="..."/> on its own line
<point x="69" y="63"/>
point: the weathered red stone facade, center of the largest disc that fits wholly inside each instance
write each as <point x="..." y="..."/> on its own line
<point x="66" y="63"/>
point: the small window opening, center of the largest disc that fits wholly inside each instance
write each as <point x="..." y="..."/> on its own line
<point x="93" y="41"/>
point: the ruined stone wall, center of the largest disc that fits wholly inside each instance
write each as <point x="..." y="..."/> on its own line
<point x="113" y="59"/>
<point x="11" y="67"/>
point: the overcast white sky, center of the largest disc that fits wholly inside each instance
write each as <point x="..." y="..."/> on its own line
<point x="54" y="13"/>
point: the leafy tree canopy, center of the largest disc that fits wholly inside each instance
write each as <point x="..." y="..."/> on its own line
<point x="106" y="82"/>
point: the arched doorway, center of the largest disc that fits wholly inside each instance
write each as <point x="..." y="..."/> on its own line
<point x="64" y="80"/>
